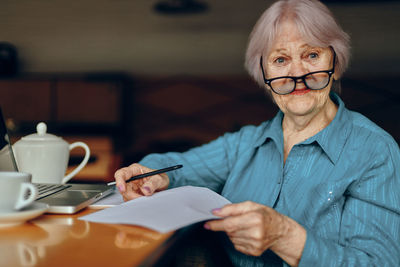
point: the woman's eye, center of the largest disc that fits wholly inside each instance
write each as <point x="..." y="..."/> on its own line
<point x="280" y="60"/>
<point x="313" y="55"/>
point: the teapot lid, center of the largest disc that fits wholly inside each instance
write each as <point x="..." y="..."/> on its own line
<point x="41" y="134"/>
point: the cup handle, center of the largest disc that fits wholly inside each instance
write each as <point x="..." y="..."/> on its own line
<point x="82" y="164"/>
<point x="27" y="255"/>
<point x="84" y="233"/>
<point x="26" y="189"/>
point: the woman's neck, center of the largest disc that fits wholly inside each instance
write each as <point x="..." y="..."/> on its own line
<point x="296" y="129"/>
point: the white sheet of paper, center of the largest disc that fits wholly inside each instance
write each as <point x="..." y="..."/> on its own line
<point x="164" y="211"/>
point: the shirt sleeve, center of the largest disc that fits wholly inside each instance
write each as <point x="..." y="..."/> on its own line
<point x="370" y="226"/>
<point x="208" y="165"/>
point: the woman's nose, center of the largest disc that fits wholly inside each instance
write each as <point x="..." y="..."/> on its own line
<point x="297" y="68"/>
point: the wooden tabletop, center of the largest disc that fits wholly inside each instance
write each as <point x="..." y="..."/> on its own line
<point x="63" y="240"/>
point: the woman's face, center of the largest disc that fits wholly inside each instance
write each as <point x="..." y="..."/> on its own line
<point x="290" y="55"/>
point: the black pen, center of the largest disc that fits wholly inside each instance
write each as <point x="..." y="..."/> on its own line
<point x="150" y="174"/>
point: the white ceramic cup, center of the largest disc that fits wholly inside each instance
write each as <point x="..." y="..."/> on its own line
<point x="16" y="191"/>
<point x="17" y="253"/>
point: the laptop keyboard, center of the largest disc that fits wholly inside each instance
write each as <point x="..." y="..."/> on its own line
<point x="48" y="189"/>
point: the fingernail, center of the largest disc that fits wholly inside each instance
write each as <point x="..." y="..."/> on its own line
<point x="218" y="210"/>
<point x="121" y="188"/>
<point x="207" y="226"/>
<point x="147" y="189"/>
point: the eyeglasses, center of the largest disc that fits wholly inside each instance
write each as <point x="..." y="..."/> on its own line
<point x="315" y="80"/>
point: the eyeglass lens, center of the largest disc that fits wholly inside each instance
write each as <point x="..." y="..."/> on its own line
<point x="314" y="81"/>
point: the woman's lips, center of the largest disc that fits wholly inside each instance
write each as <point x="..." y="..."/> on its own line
<point x="301" y="91"/>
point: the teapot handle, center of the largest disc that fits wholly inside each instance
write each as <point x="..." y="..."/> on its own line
<point x="82" y="164"/>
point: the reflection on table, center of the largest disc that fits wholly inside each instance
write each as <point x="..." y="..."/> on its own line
<point x="51" y="240"/>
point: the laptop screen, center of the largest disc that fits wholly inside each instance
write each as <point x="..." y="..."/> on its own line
<point x="7" y="160"/>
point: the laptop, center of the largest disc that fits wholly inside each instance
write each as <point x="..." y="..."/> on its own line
<point x="65" y="198"/>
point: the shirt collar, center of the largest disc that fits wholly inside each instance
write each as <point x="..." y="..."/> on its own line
<point x="272" y="130"/>
<point x="331" y="139"/>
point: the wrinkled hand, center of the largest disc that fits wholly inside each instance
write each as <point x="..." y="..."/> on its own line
<point x="253" y="228"/>
<point x="141" y="187"/>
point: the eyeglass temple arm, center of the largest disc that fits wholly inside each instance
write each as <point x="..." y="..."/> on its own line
<point x="262" y="70"/>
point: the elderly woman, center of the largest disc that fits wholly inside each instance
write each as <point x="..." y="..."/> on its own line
<point x="318" y="185"/>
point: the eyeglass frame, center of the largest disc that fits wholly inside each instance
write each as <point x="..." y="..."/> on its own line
<point x="295" y="79"/>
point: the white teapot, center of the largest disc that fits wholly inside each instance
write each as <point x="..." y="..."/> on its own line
<point x="46" y="156"/>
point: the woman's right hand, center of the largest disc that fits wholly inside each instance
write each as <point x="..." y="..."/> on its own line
<point x="141" y="187"/>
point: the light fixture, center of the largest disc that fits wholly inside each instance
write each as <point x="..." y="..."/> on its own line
<point x="180" y="7"/>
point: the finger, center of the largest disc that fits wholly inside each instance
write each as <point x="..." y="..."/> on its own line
<point x="131" y="194"/>
<point x="246" y="234"/>
<point x="236" y="209"/>
<point x="248" y="250"/>
<point x="253" y="245"/>
<point x="132" y="190"/>
<point x="249" y="242"/>
<point x="231" y="224"/>
<point x="260" y="235"/>
<point x="245" y="249"/>
<point x="221" y="225"/>
<point x="125" y="173"/>
<point x="152" y="184"/>
<point x="239" y="241"/>
<point x="120" y="177"/>
<point x="241" y="249"/>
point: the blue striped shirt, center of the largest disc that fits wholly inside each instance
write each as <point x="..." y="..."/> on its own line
<point x="342" y="185"/>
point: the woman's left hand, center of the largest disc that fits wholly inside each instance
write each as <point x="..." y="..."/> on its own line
<point x="253" y="228"/>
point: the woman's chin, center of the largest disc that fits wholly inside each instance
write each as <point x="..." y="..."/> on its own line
<point x="301" y="102"/>
<point x="300" y="108"/>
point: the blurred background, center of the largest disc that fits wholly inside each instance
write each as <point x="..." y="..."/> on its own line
<point x="131" y="77"/>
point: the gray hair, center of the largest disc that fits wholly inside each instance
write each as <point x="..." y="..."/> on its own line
<point x="315" y="23"/>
